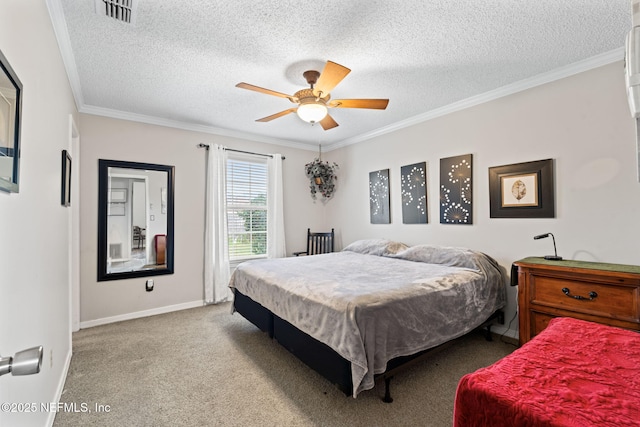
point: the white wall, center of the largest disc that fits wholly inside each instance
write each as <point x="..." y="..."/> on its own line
<point x="114" y="139"/>
<point x="34" y="236"/>
<point x="581" y="121"/>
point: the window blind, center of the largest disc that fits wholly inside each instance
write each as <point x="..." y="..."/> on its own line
<point x="247" y="207"/>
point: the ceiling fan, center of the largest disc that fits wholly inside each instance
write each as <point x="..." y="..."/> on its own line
<point x="313" y="103"/>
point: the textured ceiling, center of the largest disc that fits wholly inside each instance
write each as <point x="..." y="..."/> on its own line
<point x="178" y="64"/>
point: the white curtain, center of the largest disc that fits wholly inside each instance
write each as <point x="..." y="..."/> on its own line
<point x="216" y="253"/>
<point x="275" y="205"/>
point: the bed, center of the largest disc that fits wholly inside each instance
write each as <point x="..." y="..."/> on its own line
<point x="358" y="313"/>
<point x="574" y="373"/>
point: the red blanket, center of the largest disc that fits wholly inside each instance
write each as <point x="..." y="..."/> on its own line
<point x="574" y="373"/>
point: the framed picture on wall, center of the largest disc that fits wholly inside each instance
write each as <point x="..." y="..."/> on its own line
<point x="522" y="190"/>
<point x="65" y="199"/>
<point x="10" y="124"/>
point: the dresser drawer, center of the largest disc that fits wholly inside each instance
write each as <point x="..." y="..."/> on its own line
<point x="543" y="286"/>
<point x="539" y="321"/>
<point x="611" y="300"/>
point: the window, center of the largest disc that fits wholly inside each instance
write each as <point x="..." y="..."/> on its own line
<point x="247" y="207"/>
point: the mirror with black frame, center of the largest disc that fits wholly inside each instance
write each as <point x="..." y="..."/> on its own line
<point x="10" y="123"/>
<point x="135" y="219"/>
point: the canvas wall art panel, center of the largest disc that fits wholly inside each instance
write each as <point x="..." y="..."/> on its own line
<point x="456" y="190"/>
<point x="414" y="193"/>
<point x="379" y="200"/>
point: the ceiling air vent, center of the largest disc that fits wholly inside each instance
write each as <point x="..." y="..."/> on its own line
<point x="120" y="10"/>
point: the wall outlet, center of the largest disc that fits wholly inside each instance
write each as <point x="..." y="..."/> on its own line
<point x="149" y="285"/>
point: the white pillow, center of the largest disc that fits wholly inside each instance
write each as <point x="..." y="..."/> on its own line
<point x="443" y="255"/>
<point x="380" y="247"/>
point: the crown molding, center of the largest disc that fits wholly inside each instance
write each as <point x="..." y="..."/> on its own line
<point x="522" y="85"/>
<point x="64" y="43"/>
<point x="176" y="124"/>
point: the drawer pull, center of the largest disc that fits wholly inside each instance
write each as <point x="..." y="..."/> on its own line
<point x="592" y="295"/>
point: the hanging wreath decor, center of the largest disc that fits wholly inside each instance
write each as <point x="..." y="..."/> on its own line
<point x="322" y="176"/>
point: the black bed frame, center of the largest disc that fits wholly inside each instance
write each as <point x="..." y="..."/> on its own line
<point x="322" y="358"/>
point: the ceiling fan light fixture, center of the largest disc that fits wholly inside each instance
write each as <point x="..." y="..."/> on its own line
<point x="312" y="112"/>
<point x="313" y="103"/>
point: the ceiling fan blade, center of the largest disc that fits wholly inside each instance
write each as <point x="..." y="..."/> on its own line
<point x="328" y="123"/>
<point x="276" y="115"/>
<point x="374" y="104"/>
<point x="329" y="78"/>
<point x="263" y="90"/>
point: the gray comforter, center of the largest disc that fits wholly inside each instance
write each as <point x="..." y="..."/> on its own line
<point x="376" y="300"/>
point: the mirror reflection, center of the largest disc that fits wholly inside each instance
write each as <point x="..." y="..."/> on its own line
<point x="10" y="106"/>
<point x="136" y="220"/>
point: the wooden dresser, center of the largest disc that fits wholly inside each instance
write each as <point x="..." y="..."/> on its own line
<point x="161" y="248"/>
<point x="599" y="292"/>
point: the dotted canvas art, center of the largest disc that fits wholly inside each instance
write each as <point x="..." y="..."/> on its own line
<point x="455" y="190"/>
<point x="414" y="193"/>
<point x="379" y="197"/>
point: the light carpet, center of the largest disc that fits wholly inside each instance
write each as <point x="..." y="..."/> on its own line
<point x="206" y="367"/>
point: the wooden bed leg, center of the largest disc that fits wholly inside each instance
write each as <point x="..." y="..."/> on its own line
<point x="387" y="393"/>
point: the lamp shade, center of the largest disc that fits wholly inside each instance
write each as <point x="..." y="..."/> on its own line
<point x="312" y="112"/>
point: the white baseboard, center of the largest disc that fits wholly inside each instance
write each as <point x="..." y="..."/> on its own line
<point x="138" y="314"/>
<point x="502" y="330"/>
<point x="60" y="388"/>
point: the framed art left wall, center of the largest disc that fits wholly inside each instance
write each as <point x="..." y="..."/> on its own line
<point x="65" y="189"/>
<point x="10" y="118"/>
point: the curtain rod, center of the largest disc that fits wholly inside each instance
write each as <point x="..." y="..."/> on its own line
<point x="239" y="151"/>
